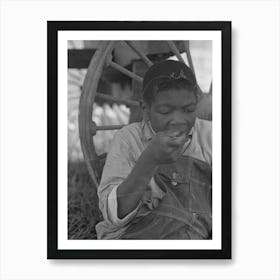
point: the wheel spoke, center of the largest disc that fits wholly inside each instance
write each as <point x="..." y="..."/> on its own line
<point x="126" y="72"/>
<point x="190" y="61"/>
<point x="109" y="127"/>
<point x="210" y="89"/>
<point x="94" y="128"/>
<point x="148" y="62"/>
<point x="118" y="100"/>
<point x="188" y="52"/>
<point x="102" y="156"/>
<point x="174" y="49"/>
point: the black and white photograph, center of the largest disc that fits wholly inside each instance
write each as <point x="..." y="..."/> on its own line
<point x="140" y="140"/>
<point x="143" y="140"/>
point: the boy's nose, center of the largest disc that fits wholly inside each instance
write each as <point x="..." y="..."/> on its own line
<point x="180" y="122"/>
<point x="179" y="118"/>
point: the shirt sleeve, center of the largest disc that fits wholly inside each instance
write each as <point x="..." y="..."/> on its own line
<point x="119" y="163"/>
<point x="113" y="209"/>
<point x="204" y="138"/>
<point x="201" y="144"/>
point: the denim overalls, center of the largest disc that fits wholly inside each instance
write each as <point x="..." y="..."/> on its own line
<point x="185" y="211"/>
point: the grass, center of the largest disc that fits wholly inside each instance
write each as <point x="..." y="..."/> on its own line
<point x="83" y="211"/>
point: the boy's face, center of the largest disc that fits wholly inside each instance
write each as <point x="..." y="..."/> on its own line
<point x="173" y="109"/>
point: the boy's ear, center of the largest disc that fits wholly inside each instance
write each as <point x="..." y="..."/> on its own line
<point x="204" y="107"/>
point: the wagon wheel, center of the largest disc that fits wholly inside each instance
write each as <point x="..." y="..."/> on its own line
<point x="87" y="128"/>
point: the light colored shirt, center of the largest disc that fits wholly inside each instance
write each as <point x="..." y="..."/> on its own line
<point x="126" y="147"/>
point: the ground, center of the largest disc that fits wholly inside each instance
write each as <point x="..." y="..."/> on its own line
<point x="83" y="211"/>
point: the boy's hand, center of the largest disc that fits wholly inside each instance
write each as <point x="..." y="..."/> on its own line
<point x="166" y="146"/>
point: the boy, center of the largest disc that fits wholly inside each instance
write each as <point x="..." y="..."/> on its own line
<point x="157" y="179"/>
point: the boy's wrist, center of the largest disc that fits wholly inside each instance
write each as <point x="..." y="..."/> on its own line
<point x="150" y="159"/>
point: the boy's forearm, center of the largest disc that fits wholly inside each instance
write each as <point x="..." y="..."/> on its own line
<point x="130" y="191"/>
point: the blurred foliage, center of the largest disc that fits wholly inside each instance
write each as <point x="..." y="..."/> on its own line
<point x="102" y="115"/>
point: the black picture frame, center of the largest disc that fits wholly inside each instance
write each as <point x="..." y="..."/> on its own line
<point x="52" y="139"/>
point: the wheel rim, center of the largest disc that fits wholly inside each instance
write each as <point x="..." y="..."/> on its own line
<point x="85" y="107"/>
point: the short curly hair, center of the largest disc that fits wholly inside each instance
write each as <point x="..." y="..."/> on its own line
<point x="165" y="75"/>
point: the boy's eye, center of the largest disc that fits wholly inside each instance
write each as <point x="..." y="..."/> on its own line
<point x="190" y="109"/>
<point x="164" y="110"/>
